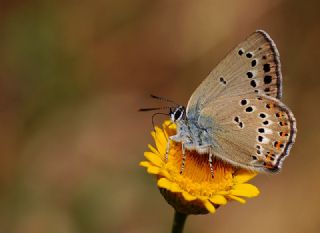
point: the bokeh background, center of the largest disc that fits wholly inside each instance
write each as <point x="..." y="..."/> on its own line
<point x="74" y="73"/>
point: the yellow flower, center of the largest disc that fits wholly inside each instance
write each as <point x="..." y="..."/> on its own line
<point x="194" y="191"/>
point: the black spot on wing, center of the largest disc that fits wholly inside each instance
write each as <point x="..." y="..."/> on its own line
<point x="266" y="68"/>
<point x="267" y="79"/>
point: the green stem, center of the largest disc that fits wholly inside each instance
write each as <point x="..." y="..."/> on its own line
<point x="178" y="222"/>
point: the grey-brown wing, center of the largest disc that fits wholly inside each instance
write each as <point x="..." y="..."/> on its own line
<point x="252" y="67"/>
<point x="254" y="132"/>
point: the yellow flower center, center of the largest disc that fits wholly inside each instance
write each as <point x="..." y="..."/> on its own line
<point x="196" y="178"/>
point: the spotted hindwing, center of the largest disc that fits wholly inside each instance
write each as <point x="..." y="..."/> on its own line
<point x="253" y="131"/>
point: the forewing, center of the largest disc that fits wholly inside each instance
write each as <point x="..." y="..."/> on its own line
<point x="254" y="132"/>
<point x="252" y="67"/>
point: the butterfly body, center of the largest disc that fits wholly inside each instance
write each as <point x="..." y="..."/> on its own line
<point x="194" y="136"/>
<point x="236" y="114"/>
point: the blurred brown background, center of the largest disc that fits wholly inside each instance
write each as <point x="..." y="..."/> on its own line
<point x="74" y="73"/>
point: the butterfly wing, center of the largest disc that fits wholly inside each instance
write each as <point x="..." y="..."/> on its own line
<point x="252" y="67"/>
<point x="254" y="132"/>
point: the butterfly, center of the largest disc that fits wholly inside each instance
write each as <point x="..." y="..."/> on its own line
<point x="236" y="113"/>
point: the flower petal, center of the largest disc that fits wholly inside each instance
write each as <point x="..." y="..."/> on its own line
<point x="153" y="158"/>
<point x="209" y="206"/>
<point x="188" y="196"/>
<point x="145" y="164"/>
<point x="218" y="199"/>
<point x="169" y="127"/>
<point x="153" y="170"/>
<point x="160" y="139"/>
<point x="164" y="183"/>
<point x="175" y="188"/>
<point x="154" y="150"/>
<point x="164" y="172"/>
<point x="245" y="190"/>
<point x="224" y="193"/>
<point x="239" y="199"/>
<point x="243" y="176"/>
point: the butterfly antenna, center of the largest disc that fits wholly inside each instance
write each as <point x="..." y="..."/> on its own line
<point x="153" y="109"/>
<point x="163" y="99"/>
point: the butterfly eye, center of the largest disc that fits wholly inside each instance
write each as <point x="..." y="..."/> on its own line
<point x="177" y="114"/>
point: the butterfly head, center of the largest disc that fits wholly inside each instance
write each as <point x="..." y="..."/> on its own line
<point x="177" y="114"/>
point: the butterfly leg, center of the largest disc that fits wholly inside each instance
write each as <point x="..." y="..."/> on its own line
<point x="183" y="158"/>
<point x="210" y="162"/>
<point x="167" y="149"/>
